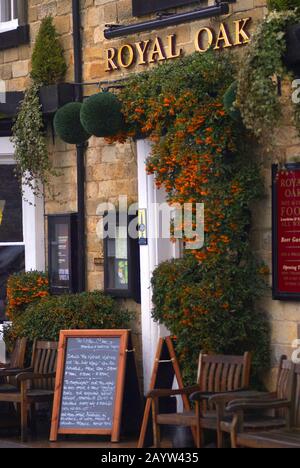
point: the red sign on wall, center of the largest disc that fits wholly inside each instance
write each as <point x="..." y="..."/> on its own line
<point x="286" y="232"/>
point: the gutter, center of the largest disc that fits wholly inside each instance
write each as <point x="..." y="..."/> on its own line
<point x="80" y="150"/>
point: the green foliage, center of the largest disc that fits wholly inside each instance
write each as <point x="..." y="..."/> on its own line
<point x="101" y="115"/>
<point x="283" y="5"/>
<point x="257" y="96"/>
<point x="68" y="126"/>
<point x="45" y="319"/>
<point x="48" y="62"/>
<point x="31" y="152"/>
<point x="201" y="155"/>
<point x="183" y="285"/>
<point x="230" y="102"/>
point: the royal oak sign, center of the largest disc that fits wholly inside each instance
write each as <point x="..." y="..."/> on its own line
<point x="156" y="49"/>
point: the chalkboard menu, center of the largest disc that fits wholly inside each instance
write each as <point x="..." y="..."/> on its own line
<point x="286" y="232"/>
<point x="90" y="379"/>
<point x="90" y="383"/>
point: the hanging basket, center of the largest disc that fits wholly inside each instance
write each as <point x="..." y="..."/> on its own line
<point x="67" y="124"/>
<point x="101" y="115"/>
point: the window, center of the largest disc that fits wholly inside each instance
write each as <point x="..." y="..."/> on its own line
<point x="12" y="246"/>
<point x="122" y="262"/>
<point x="8" y="15"/>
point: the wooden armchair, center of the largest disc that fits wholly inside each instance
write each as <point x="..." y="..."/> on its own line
<point x="35" y="384"/>
<point x="216" y="374"/>
<point x="16" y="364"/>
<point x="287" y="400"/>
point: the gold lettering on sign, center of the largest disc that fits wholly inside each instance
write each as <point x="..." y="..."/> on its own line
<point x="241" y="36"/>
<point x="126" y="56"/>
<point x="222" y="38"/>
<point x="157" y="51"/>
<point x="199" y="39"/>
<point x="172" y="47"/>
<point x="142" y="48"/>
<point x="110" y="56"/>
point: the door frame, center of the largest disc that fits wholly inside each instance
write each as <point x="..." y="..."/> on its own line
<point x="150" y="258"/>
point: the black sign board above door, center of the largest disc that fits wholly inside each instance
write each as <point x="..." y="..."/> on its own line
<point x="143" y="7"/>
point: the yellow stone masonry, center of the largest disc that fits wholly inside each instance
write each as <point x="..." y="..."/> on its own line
<point x="112" y="170"/>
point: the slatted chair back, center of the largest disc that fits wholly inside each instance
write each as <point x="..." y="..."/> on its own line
<point x="296" y="410"/>
<point x="224" y="373"/>
<point x="44" y="359"/>
<point x="285" y="379"/>
<point x="17" y="359"/>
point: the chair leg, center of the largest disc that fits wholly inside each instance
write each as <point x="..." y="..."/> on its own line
<point x="233" y="432"/>
<point x="33" y="419"/>
<point x="156" y="428"/>
<point x="220" y="439"/>
<point x="199" y="432"/>
<point x="24" y="421"/>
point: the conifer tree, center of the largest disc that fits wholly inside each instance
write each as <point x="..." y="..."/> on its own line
<point x="48" y="62"/>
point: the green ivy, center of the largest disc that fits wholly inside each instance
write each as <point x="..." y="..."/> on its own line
<point x="262" y="66"/>
<point x="33" y="166"/>
<point x="283" y="5"/>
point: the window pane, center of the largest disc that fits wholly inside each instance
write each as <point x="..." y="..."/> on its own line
<point x="11" y="228"/>
<point x="5" y="11"/>
<point x="15" y="12"/>
<point x="12" y="260"/>
<point x="60" y="261"/>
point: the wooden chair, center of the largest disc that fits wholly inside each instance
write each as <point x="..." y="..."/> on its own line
<point x="216" y="374"/>
<point x="285" y="401"/>
<point x="36" y="384"/>
<point x="16" y="364"/>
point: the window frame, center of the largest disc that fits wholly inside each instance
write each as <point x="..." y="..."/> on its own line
<point x="9" y="25"/>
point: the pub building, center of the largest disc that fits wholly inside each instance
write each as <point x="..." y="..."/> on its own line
<point x="105" y="41"/>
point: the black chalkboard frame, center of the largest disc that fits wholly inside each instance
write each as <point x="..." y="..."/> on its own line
<point x="115" y="430"/>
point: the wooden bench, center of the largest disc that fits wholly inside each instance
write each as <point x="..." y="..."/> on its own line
<point x="288" y="437"/>
<point x="216" y="374"/>
<point x="35" y="384"/>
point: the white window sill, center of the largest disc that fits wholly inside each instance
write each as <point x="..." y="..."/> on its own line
<point x="9" y="26"/>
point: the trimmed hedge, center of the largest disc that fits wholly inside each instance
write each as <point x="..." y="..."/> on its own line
<point x="45" y="319"/>
<point x="67" y="124"/>
<point x="101" y="115"/>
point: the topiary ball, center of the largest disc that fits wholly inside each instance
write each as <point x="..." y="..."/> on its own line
<point x="101" y="115"/>
<point x="67" y="124"/>
<point x="229" y="100"/>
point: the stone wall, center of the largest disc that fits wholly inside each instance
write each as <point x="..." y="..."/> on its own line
<point x="112" y="170"/>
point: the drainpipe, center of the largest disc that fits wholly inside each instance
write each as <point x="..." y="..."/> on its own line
<point x="80" y="149"/>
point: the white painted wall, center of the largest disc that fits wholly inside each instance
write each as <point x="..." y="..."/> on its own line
<point x="157" y="251"/>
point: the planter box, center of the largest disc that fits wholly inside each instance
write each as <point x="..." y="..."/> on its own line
<point x="292" y="57"/>
<point x="55" y="96"/>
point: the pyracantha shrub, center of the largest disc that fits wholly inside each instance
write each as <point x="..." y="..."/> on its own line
<point x="200" y="155"/>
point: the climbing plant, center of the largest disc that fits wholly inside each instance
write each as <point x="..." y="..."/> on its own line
<point x="260" y="73"/>
<point x="200" y="155"/>
<point x="31" y="153"/>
